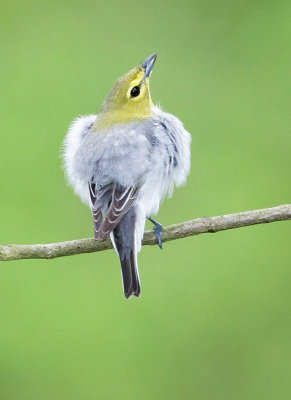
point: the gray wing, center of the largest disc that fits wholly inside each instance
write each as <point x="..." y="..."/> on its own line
<point x="120" y="202"/>
<point x="96" y="209"/>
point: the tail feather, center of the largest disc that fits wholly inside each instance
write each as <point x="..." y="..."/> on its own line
<point x="130" y="277"/>
<point x="124" y="238"/>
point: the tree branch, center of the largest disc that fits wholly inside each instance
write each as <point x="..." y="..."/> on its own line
<point x="172" y="232"/>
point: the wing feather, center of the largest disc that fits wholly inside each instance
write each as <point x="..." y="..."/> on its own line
<point x="96" y="210"/>
<point x="122" y="200"/>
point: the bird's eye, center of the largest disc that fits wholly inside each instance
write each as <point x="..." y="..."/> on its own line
<point x="135" y="91"/>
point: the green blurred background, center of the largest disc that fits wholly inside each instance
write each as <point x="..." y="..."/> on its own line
<point x="213" y="322"/>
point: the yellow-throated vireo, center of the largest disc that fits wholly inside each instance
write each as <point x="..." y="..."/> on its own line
<point x="123" y="161"/>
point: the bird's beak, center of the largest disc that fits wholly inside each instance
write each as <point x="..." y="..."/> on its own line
<point x="148" y="65"/>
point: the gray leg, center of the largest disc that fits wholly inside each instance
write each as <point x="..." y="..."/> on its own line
<point x="158" y="228"/>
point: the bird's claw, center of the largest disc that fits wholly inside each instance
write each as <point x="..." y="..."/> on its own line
<point x="158" y="228"/>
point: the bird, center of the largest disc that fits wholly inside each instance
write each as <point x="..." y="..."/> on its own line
<point x="123" y="161"/>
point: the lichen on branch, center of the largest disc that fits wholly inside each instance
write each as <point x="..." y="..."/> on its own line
<point x="172" y="232"/>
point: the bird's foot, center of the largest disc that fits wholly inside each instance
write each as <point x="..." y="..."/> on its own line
<point x="158" y="228"/>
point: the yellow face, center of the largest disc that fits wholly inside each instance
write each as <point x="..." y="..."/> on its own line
<point x="128" y="100"/>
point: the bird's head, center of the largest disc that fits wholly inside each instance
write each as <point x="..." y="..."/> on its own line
<point x="130" y="98"/>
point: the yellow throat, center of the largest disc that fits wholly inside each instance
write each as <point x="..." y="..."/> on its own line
<point x="129" y="99"/>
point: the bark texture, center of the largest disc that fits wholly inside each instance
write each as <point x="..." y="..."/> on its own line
<point x="172" y="232"/>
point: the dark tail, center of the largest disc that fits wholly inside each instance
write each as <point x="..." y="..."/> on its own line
<point x="125" y="244"/>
